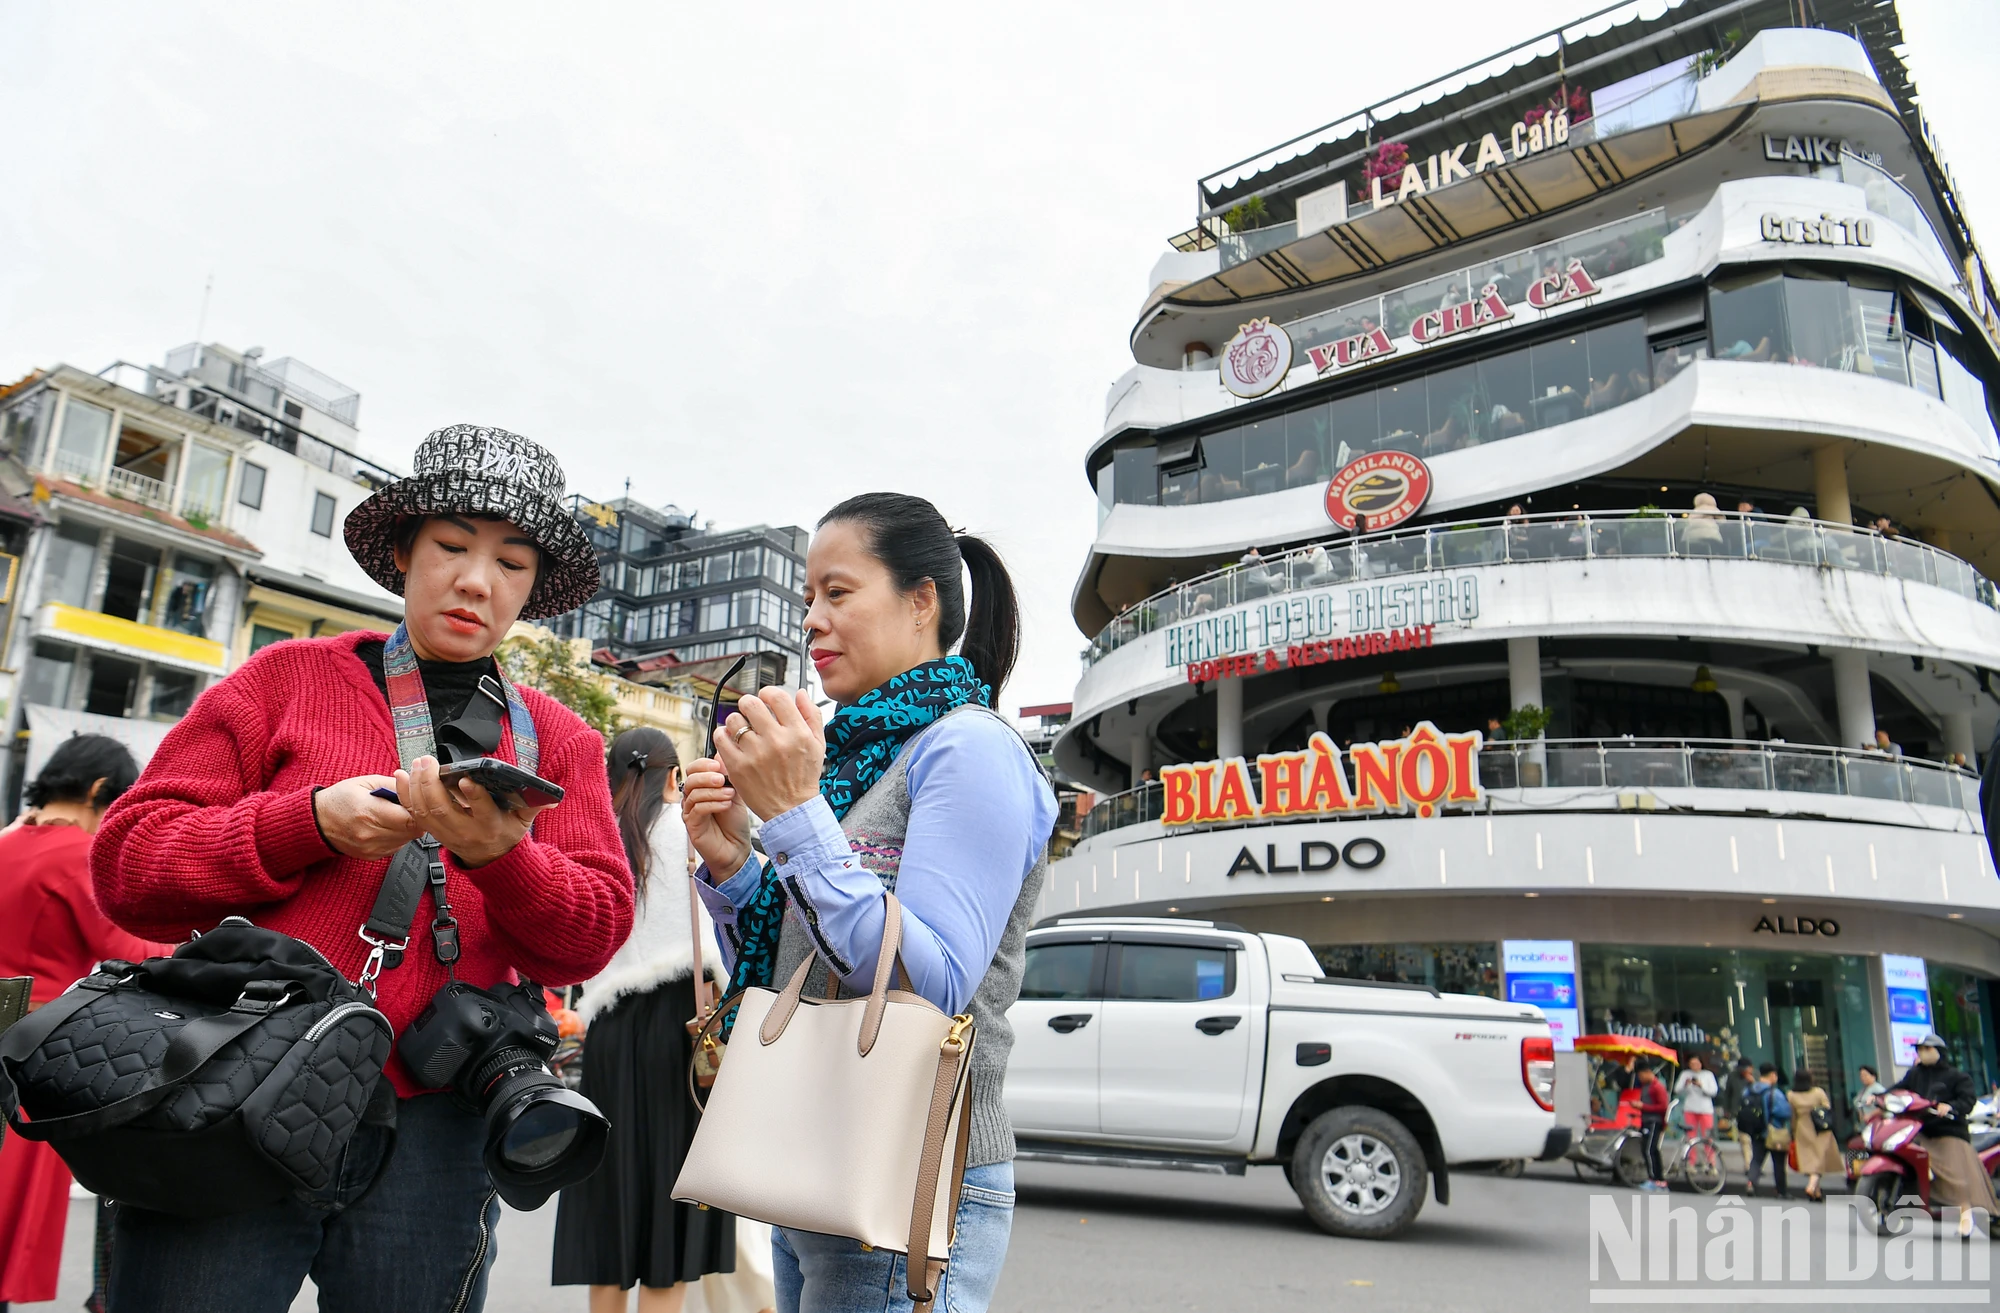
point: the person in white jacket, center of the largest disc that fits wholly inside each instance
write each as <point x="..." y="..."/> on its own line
<point x="1696" y="1091"/>
<point x="621" y="1227"/>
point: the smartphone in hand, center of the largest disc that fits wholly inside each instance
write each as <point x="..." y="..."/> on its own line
<point x="509" y="785"/>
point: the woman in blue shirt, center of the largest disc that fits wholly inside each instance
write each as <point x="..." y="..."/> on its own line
<point x="915" y="785"/>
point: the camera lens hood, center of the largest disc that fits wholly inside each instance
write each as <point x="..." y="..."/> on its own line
<point x="540" y="1136"/>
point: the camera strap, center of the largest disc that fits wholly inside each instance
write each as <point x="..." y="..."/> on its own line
<point x="420" y="862"/>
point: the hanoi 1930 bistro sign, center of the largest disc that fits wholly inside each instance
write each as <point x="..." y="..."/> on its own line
<point x="1421" y="773"/>
<point x="1328" y="624"/>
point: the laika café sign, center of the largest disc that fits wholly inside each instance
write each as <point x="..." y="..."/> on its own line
<point x="1256" y="360"/>
<point x="1421" y="773"/>
<point x="1328" y="624"/>
<point x="1449" y="166"/>
<point x="1552" y="289"/>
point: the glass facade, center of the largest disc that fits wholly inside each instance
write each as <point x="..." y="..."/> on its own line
<point x="1461" y="968"/>
<point x="1462" y="405"/>
<point x="1961" y="1013"/>
<point x="1809" y="1010"/>
<point x="1857" y="324"/>
<point x="734" y="592"/>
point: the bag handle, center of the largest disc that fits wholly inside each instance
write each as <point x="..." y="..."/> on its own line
<point x="887" y="963"/>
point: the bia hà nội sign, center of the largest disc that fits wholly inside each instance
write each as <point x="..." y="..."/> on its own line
<point x="1420" y="773"/>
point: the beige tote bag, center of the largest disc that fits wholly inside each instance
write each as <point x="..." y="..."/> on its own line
<point x="847" y="1117"/>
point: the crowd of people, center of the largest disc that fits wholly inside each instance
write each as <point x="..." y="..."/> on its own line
<point x="1793" y="1125"/>
<point x="296" y="788"/>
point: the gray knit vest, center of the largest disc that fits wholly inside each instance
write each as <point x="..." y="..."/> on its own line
<point x="876" y="826"/>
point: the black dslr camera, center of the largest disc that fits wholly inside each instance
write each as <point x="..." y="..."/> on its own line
<point x="491" y="1047"/>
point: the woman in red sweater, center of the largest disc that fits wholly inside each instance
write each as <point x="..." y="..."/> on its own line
<point x="50" y="929"/>
<point x="264" y="802"/>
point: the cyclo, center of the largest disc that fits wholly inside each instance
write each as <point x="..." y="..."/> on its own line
<point x="1615" y="1146"/>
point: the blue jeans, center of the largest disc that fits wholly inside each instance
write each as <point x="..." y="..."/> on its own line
<point x="420" y="1242"/>
<point x="832" y="1274"/>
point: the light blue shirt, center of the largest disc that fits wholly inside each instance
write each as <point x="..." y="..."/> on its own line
<point x="980" y="816"/>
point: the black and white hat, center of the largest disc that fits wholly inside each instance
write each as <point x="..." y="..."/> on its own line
<point x="471" y="469"/>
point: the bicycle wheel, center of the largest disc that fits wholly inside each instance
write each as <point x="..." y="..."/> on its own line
<point x="1701" y="1162"/>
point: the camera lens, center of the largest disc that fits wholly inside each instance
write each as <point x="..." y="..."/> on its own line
<point x="540" y="1135"/>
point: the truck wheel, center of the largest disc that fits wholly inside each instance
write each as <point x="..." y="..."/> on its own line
<point x="1360" y="1173"/>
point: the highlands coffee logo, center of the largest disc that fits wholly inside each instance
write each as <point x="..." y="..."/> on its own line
<point x="1387" y="487"/>
<point x="1257" y="359"/>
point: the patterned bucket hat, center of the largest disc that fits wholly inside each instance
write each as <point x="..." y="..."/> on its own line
<point x="471" y="469"/>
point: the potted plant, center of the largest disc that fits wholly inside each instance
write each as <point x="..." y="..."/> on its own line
<point x="1523" y="724"/>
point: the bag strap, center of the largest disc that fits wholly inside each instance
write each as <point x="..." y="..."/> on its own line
<point x="705" y="990"/>
<point x="197" y="1042"/>
<point x="930" y="1164"/>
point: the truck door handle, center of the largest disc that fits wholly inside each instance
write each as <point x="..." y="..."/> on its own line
<point x="1216" y="1025"/>
<point x="1073" y="1021"/>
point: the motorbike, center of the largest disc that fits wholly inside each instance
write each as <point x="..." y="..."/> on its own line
<point x="1898" y="1166"/>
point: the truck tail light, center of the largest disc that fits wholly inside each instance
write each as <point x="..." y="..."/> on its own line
<point x="1538" y="1070"/>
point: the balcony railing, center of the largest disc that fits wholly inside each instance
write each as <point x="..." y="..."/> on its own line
<point x="1572" y="535"/>
<point x="140" y="488"/>
<point x="1610" y="765"/>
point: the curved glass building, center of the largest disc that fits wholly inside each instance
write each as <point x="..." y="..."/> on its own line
<point x="1545" y="542"/>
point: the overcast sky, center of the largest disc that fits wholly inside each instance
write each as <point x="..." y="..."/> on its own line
<point x="753" y="258"/>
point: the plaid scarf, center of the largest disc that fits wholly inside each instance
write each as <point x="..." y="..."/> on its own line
<point x="862" y="741"/>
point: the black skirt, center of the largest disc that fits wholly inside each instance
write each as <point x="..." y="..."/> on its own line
<point x="621" y="1226"/>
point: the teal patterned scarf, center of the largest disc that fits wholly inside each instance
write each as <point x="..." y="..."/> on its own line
<point x="862" y="741"/>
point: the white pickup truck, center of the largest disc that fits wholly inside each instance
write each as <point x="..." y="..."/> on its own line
<point x="1198" y="1045"/>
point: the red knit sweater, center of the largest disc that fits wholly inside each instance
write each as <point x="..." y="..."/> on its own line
<point x="221" y="823"/>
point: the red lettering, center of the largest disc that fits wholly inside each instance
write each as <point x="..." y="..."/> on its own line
<point x="1425" y="772"/>
<point x="1179" y="808"/>
<point x="1204" y="802"/>
<point x="1283" y="783"/>
<point x="1327" y="791"/>
<point x="1232" y="801"/>
<point x="1377" y="785"/>
<point x="1464" y="767"/>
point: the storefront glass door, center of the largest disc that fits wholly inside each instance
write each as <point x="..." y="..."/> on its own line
<point x="1794" y="1009"/>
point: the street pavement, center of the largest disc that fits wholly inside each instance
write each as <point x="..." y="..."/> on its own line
<point x="1108" y="1239"/>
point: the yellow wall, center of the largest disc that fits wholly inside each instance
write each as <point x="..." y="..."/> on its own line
<point x="297" y="617"/>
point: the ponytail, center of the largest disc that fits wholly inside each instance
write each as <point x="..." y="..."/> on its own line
<point x="993" y="629"/>
<point x="638" y="764"/>
<point x="915" y="544"/>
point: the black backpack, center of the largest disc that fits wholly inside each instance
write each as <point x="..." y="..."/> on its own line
<point x="221" y="1079"/>
<point x="1750" y="1118"/>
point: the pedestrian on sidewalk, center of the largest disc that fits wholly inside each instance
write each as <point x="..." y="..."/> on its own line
<point x="1817" y="1150"/>
<point x="620" y="1227"/>
<point x="1654" y="1101"/>
<point x="51" y="929"/>
<point x="1737" y="1089"/>
<point x="916" y="784"/>
<point x="267" y="801"/>
<point x="1696" y="1090"/>
<point x="1773" y="1137"/>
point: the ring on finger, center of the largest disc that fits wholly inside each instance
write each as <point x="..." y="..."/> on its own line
<point x="744" y="730"/>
